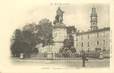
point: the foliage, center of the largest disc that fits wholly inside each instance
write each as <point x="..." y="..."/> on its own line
<point x="25" y="40"/>
<point x="45" y="31"/>
<point x="19" y="45"/>
<point x="71" y="29"/>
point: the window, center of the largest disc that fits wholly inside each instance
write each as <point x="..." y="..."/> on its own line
<point x="104" y="45"/>
<point x="103" y="42"/>
<point x="82" y="44"/>
<point x="88" y="36"/>
<point x="97" y="42"/>
<point x="88" y="50"/>
<point x="88" y="44"/>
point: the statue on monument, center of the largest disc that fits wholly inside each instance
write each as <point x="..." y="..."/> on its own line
<point x="59" y="16"/>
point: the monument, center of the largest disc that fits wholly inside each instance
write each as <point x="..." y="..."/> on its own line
<point x="59" y="31"/>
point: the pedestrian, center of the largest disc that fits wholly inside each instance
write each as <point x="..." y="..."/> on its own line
<point x="84" y="59"/>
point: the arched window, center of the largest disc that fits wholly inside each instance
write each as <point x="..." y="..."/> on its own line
<point x="88" y="44"/>
<point x="97" y="42"/>
<point x="82" y="44"/>
<point x="103" y="42"/>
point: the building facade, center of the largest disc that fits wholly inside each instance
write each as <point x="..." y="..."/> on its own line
<point x="96" y="39"/>
<point x="93" y="40"/>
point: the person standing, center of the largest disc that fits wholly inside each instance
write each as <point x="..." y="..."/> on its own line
<point x="84" y="58"/>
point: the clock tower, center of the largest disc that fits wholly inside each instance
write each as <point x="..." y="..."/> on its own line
<point x="93" y="19"/>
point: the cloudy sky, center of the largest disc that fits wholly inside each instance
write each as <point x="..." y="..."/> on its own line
<point x="77" y="15"/>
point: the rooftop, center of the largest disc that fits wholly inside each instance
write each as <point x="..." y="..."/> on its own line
<point x="94" y="31"/>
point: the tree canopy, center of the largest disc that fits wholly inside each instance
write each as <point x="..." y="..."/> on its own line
<point x="45" y="31"/>
<point x="25" y="40"/>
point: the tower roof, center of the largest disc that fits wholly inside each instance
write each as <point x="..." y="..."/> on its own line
<point x="93" y="13"/>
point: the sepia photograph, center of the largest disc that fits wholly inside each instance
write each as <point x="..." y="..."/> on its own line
<point x="56" y="36"/>
<point x="85" y="42"/>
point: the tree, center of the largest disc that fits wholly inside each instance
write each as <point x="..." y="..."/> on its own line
<point x="44" y="33"/>
<point x="29" y="38"/>
<point x="25" y="40"/>
<point x="17" y="35"/>
<point x="71" y="29"/>
<point x="15" y="46"/>
<point x="23" y="43"/>
<point x="29" y="35"/>
<point x="30" y="27"/>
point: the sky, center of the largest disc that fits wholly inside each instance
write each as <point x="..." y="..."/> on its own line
<point x="76" y="15"/>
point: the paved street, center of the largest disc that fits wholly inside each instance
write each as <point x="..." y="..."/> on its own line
<point x="92" y="63"/>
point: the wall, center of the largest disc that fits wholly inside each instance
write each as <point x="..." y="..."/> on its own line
<point x="90" y="41"/>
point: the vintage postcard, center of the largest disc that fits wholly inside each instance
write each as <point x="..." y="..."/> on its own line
<point x="56" y="36"/>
